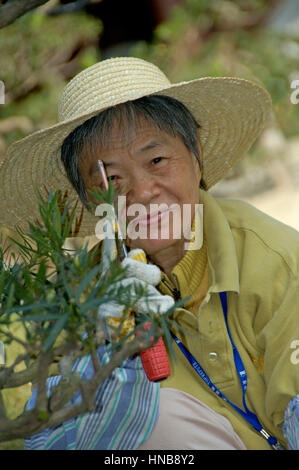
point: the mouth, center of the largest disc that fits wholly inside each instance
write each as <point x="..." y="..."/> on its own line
<point x="151" y="218"/>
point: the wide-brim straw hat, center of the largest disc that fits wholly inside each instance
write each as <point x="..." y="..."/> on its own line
<point x="232" y="113"/>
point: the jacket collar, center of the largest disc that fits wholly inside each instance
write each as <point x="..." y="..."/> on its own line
<point x="222" y="256"/>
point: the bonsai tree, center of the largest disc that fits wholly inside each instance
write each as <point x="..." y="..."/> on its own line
<point x="53" y="296"/>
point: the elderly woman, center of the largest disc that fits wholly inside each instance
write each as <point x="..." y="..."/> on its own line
<point x="233" y="384"/>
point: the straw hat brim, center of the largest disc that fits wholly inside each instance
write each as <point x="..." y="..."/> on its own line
<point x="232" y="113"/>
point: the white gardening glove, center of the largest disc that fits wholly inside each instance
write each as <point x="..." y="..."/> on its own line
<point x="138" y="275"/>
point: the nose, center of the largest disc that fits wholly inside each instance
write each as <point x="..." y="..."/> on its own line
<point x="142" y="188"/>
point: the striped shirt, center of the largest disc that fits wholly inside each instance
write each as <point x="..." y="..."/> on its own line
<point x="291" y="423"/>
<point x="126" y="410"/>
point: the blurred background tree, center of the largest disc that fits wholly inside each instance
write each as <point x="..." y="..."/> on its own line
<point x="230" y="38"/>
<point x="252" y="39"/>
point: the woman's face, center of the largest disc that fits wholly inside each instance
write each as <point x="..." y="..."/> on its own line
<point x="158" y="175"/>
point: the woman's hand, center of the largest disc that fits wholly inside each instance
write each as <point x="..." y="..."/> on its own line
<point x="139" y="277"/>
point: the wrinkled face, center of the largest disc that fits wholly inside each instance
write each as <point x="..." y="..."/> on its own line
<point x="158" y="175"/>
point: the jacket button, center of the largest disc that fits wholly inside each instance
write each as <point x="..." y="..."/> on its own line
<point x="213" y="356"/>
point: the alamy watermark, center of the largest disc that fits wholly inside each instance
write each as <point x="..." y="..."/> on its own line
<point x="158" y="221"/>
<point x="2" y="92"/>
<point x="295" y="353"/>
<point x="295" y="94"/>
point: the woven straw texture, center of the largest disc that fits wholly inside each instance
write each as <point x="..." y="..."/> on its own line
<point x="232" y="113"/>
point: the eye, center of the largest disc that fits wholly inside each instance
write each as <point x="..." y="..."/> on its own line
<point x="156" y="160"/>
<point x="112" y="178"/>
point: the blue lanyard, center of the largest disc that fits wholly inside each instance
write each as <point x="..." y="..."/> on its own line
<point x="247" y="414"/>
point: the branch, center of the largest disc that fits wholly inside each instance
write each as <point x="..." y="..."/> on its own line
<point x="31" y="349"/>
<point x="68" y="8"/>
<point x="2" y="408"/>
<point x="65" y="390"/>
<point x="11" y="379"/>
<point x="42" y="399"/>
<point x="13" y="9"/>
<point x="33" y="421"/>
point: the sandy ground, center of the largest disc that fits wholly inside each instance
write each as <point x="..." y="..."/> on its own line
<point x="281" y="203"/>
<point x="272" y="187"/>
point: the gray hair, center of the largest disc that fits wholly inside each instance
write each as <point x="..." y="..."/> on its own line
<point x="166" y="113"/>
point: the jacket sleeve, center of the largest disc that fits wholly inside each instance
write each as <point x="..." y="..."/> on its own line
<point x="277" y="339"/>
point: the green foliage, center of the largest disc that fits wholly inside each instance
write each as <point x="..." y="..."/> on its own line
<point x="45" y="292"/>
<point x="54" y="295"/>
<point x="37" y="54"/>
